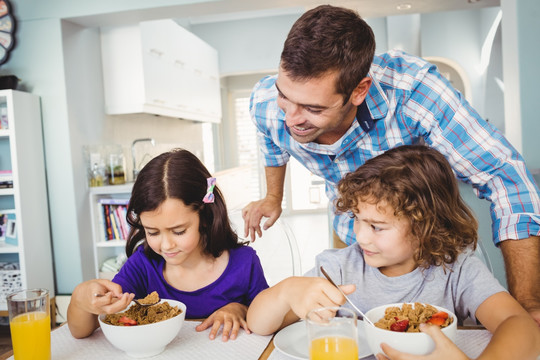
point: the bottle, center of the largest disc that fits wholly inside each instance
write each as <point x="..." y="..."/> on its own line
<point x="97" y="176"/>
<point x="117" y="175"/>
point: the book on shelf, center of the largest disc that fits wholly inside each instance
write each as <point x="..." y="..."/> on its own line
<point x="121" y="212"/>
<point x="107" y="223"/>
<point x="115" y="226"/>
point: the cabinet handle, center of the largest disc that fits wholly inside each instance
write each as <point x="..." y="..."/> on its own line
<point x="156" y="52"/>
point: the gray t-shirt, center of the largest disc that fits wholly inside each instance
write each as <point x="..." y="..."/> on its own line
<point x="461" y="289"/>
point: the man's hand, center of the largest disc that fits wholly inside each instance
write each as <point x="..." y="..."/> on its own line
<point x="252" y="214"/>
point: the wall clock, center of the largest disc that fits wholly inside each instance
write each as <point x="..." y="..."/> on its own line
<point x="7" y="30"/>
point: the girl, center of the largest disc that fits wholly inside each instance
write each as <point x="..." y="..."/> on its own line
<point x="413" y="231"/>
<point x="181" y="245"/>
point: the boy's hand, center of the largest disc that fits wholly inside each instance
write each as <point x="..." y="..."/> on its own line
<point x="232" y="316"/>
<point x="307" y="293"/>
<point x="445" y="349"/>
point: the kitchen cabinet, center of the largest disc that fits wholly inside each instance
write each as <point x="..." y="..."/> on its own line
<point x="25" y="243"/>
<point x="158" y="67"/>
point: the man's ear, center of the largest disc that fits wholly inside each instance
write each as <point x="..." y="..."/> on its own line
<point x="360" y="92"/>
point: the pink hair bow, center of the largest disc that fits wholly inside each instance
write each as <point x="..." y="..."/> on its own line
<point x="209" y="197"/>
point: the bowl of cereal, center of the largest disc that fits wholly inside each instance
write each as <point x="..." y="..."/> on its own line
<point x="397" y="326"/>
<point x="144" y="331"/>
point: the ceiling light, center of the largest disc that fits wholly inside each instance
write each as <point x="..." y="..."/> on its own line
<point x="404" y="6"/>
<point x="473" y="1"/>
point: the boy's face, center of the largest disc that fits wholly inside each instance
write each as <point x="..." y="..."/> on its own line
<point x="384" y="238"/>
<point x="314" y="111"/>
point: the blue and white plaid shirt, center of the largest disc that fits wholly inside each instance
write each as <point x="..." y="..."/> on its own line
<point x="409" y="100"/>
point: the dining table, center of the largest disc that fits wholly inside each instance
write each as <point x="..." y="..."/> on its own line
<point x="193" y="345"/>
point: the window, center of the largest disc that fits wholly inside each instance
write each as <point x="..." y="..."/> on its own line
<point x="246" y="140"/>
<point x="304" y="191"/>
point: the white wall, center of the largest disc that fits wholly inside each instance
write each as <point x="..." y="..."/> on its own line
<point x="38" y="61"/>
<point x="244" y="46"/>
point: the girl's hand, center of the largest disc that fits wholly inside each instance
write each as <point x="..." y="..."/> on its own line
<point x="232" y="316"/>
<point x="113" y="300"/>
<point x="444" y="348"/>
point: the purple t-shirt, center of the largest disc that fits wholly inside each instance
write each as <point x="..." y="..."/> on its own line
<point x="241" y="281"/>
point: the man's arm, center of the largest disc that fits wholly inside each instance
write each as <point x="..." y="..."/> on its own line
<point x="482" y="156"/>
<point x="269" y="207"/>
<point x="522" y="263"/>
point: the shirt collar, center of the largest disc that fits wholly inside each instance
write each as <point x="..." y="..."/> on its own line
<point x="376" y="100"/>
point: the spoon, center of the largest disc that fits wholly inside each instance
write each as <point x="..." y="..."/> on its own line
<point x="346" y="297"/>
<point x="136" y="301"/>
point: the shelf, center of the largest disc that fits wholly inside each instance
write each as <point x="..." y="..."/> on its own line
<point x="7" y="191"/>
<point x="111" y="189"/>
<point x="21" y="150"/>
<point x="8" y="248"/>
<point x="111" y="243"/>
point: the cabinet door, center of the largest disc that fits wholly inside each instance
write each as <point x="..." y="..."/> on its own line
<point x="196" y="85"/>
<point x="156" y="60"/>
<point x="173" y="72"/>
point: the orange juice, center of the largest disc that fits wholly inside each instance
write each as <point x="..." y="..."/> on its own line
<point x="31" y="336"/>
<point x="333" y="347"/>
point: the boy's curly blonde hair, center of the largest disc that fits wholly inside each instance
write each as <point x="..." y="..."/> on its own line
<point x="418" y="183"/>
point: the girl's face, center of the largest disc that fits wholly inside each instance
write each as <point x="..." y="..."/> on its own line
<point x="384" y="238"/>
<point x="172" y="231"/>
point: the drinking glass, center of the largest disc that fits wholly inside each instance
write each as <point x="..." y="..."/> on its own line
<point x="332" y="334"/>
<point x="30" y="324"/>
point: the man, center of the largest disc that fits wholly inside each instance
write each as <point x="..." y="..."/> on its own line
<point x="333" y="105"/>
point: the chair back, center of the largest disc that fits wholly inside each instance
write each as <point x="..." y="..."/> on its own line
<point x="277" y="248"/>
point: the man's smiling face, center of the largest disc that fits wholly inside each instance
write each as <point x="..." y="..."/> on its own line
<point x="314" y="111"/>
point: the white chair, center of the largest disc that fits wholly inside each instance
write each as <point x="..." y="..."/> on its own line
<point x="277" y="248"/>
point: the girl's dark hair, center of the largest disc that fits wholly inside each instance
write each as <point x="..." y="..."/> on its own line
<point x="178" y="174"/>
<point x="418" y="183"/>
<point x="329" y="38"/>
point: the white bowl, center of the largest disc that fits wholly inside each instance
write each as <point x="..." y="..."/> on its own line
<point x="412" y="343"/>
<point x="145" y="340"/>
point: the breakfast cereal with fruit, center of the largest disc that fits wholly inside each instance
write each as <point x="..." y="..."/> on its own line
<point x="142" y="315"/>
<point x="409" y="317"/>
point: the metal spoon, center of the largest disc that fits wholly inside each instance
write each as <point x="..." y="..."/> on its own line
<point x="346" y="297"/>
<point x="136" y="301"/>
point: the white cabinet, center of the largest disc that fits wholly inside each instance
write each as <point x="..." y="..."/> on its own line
<point x="25" y="238"/>
<point x="158" y="67"/>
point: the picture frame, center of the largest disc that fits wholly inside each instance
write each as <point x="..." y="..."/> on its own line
<point x="8" y="227"/>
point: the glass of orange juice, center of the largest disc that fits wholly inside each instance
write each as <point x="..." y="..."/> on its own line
<point x="30" y="324"/>
<point x="332" y="334"/>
